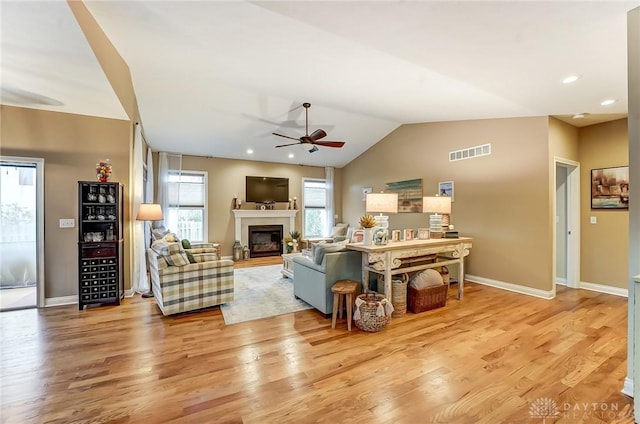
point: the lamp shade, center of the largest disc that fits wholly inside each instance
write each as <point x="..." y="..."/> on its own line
<point x="436" y="204"/>
<point x="382" y="202"/>
<point x="149" y="212"/>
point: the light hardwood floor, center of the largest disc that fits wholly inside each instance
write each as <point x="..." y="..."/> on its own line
<point x="486" y="359"/>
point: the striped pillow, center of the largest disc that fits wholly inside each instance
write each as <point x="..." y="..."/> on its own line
<point x="173" y="252"/>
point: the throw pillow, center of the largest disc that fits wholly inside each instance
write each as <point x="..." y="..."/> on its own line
<point x="172" y="252"/>
<point x="158" y="233"/>
<point x="425" y="279"/>
<point x="339" y="230"/>
<point x="186" y="244"/>
<point x="192" y="260"/>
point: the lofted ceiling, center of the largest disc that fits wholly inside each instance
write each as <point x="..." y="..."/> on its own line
<point x="216" y="78"/>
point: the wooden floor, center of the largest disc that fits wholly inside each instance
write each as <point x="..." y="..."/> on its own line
<point x="495" y="357"/>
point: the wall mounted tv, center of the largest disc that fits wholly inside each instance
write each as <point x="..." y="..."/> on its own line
<point x="267" y="189"/>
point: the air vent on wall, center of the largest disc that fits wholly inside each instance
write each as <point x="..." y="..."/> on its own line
<point x="471" y="152"/>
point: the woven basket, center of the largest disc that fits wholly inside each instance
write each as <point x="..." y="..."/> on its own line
<point x="399" y="298"/>
<point x="427" y="299"/>
<point x="369" y="321"/>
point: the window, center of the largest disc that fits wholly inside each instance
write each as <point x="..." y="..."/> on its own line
<point x="187" y="193"/>
<point x="314" y="208"/>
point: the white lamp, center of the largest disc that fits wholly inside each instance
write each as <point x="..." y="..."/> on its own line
<point x="439" y="206"/>
<point x="149" y="212"/>
<point x="383" y="203"/>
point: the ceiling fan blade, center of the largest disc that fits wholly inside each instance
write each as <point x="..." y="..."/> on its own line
<point x="290" y="144"/>
<point x="317" y="134"/>
<point x="329" y="143"/>
<point x="285" y="136"/>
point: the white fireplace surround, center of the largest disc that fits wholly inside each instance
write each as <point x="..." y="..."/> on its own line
<point x="246" y="217"/>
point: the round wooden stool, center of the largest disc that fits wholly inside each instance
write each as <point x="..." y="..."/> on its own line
<point x="343" y="291"/>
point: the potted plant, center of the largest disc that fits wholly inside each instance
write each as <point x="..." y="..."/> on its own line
<point x="367" y="222"/>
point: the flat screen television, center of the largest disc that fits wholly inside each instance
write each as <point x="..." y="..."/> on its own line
<point x="267" y="189"/>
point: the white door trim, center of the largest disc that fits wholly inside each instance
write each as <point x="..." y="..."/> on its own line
<point x="573" y="220"/>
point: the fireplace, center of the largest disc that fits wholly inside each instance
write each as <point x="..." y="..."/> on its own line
<point x="265" y="240"/>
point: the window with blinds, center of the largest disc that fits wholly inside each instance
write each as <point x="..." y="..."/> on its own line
<point x="187" y="195"/>
<point x="314" y="207"/>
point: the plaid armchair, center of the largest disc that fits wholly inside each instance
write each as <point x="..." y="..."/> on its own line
<point x="181" y="288"/>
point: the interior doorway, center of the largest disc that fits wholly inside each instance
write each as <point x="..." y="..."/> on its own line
<point x="21" y="233"/>
<point x="566" y="209"/>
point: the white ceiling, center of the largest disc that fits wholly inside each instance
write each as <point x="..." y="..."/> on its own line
<point x="215" y="78"/>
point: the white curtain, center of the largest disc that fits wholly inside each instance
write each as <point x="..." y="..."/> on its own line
<point x="169" y="164"/>
<point x="148" y="195"/>
<point x="330" y="207"/>
<point x="163" y="185"/>
<point x="140" y="283"/>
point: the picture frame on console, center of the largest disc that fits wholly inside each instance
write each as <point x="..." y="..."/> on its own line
<point x="423" y="234"/>
<point x="357" y="236"/>
<point x="408" y="235"/>
<point x="395" y="235"/>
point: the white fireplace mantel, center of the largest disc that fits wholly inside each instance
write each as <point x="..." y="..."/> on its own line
<point x="246" y="217"/>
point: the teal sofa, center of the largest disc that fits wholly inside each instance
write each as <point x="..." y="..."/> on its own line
<point x="312" y="281"/>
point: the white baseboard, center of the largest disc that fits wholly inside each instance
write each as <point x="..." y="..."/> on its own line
<point x="544" y="294"/>
<point x="561" y="281"/>
<point x="227" y="257"/>
<point x="617" y="291"/>
<point x="129" y="293"/>
<point x="60" y="301"/>
<point x="627" y="389"/>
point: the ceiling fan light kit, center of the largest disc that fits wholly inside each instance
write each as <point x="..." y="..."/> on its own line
<point x="313" y="138"/>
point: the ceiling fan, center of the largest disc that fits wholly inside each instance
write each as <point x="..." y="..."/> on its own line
<point x="313" y="138"/>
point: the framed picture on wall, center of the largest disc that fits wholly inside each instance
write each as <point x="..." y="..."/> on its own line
<point x="610" y="188"/>
<point x="445" y="188"/>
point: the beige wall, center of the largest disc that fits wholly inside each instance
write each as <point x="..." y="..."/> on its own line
<point x="70" y="145"/>
<point x="605" y="245"/>
<point x="501" y="200"/>
<point x="227" y="177"/>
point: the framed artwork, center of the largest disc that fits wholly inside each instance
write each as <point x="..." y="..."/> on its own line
<point x="423" y="234"/>
<point x="445" y="188"/>
<point x="610" y="188"/>
<point x="408" y="235"/>
<point x="365" y="191"/>
<point x="357" y="236"/>
<point x="395" y="235"/>
<point x="409" y="194"/>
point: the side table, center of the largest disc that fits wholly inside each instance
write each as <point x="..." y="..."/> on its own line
<point x="287" y="264"/>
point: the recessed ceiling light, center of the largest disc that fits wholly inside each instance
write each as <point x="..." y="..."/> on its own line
<point x="570" y="79"/>
<point x="290" y="155"/>
<point x="579" y="115"/>
<point x="250" y="151"/>
<point x="608" y="102"/>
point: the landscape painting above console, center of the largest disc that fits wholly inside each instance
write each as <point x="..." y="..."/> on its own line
<point x="409" y="194"/>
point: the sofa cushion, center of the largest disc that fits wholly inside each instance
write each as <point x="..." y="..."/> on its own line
<point x="172" y="252"/>
<point x="321" y="249"/>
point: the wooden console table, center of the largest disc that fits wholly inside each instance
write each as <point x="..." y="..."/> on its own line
<point x="389" y="259"/>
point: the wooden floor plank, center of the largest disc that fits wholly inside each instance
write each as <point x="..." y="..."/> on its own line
<point x="485" y="359"/>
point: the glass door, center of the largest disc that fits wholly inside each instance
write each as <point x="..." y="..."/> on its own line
<point x="19" y="250"/>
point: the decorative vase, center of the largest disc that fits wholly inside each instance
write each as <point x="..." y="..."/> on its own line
<point x="368" y="237"/>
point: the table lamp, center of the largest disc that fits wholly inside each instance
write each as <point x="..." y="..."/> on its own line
<point x="440" y="208"/>
<point x="383" y="203"/>
<point x="149" y="212"/>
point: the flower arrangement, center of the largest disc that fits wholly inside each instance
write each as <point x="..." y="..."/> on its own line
<point x="291" y="241"/>
<point x="367" y="221"/>
<point x="103" y="170"/>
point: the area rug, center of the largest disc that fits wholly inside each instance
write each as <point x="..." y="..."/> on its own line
<point x="261" y="292"/>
